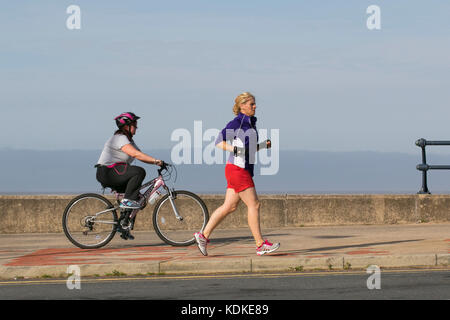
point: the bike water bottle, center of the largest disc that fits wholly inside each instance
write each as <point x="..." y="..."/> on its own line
<point x="154" y="196"/>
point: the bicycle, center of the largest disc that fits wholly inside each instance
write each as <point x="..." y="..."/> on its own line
<point x="90" y="220"/>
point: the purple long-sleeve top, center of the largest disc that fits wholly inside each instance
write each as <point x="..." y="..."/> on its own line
<point x="242" y="127"/>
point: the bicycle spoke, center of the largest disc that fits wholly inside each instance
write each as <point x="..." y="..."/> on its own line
<point x="89" y="222"/>
<point x="175" y="231"/>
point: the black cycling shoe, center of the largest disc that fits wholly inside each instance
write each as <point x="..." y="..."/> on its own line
<point x="125" y="234"/>
<point x="125" y="225"/>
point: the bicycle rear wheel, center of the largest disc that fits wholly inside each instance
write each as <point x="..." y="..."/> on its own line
<point x="89" y="221"/>
<point x="180" y="232"/>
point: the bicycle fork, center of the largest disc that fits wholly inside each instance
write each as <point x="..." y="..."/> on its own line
<point x="172" y="196"/>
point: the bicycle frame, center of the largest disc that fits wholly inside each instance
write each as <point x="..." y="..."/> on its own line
<point x="152" y="185"/>
<point x="157" y="183"/>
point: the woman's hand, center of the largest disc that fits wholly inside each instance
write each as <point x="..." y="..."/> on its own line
<point x="265" y="145"/>
<point x="225" y="146"/>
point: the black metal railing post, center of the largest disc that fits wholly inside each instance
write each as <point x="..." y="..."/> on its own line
<point x="424" y="167"/>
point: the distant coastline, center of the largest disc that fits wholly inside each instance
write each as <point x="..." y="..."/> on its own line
<point x="300" y="172"/>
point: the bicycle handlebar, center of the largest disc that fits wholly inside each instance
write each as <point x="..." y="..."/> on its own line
<point x="164" y="166"/>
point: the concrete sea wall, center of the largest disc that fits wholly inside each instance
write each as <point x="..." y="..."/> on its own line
<point x="43" y="213"/>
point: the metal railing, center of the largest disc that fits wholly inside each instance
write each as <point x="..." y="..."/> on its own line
<point x="424" y="167"/>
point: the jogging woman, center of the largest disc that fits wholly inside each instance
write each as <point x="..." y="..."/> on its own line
<point x="114" y="169"/>
<point x="242" y="134"/>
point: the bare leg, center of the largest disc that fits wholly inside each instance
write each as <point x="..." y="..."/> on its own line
<point x="250" y="198"/>
<point x="231" y="201"/>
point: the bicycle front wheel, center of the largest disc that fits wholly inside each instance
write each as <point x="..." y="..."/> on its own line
<point x="192" y="217"/>
<point x="89" y="221"/>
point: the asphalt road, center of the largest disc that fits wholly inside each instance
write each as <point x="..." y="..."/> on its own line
<point x="392" y="284"/>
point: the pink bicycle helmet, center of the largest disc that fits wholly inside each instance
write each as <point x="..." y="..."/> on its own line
<point x="125" y="118"/>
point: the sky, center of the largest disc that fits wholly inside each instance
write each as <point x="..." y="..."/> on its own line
<point x="320" y="76"/>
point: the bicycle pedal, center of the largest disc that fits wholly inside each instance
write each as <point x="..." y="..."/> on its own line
<point x="126" y="226"/>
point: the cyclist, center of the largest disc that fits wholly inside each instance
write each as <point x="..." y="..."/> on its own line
<point x="114" y="169"/>
<point x="239" y="173"/>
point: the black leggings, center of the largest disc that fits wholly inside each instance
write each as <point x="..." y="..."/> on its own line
<point x="122" y="178"/>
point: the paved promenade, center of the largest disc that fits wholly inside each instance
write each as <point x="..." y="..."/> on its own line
<point x="233" y="250"/>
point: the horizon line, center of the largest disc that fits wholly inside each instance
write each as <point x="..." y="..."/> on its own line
<point x="169" y="149"/>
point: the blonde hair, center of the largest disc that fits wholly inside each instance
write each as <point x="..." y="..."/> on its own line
<point x="241" y="99"/>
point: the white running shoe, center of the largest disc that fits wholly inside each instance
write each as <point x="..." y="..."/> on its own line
<point x="201" y="242"/>
<point x="129" y="204"/>
<point x="267" y="247"/>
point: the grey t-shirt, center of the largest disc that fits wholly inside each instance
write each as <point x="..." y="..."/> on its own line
<point x="112" y="152"/>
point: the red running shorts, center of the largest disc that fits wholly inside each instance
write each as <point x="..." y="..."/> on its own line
<point x="238" y="178"/>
